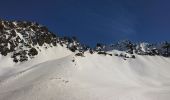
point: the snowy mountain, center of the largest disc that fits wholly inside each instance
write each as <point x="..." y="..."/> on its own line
<point x="22" y="40"/>
<point x="142" y="48"/>
<point x="35" y="64"/>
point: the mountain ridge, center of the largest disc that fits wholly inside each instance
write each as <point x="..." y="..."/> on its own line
<point x="23" y="40"/>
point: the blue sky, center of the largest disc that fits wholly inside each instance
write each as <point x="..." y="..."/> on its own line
<point x="95" y="21"/>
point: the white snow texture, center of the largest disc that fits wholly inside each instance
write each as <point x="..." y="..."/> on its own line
<point x="57" y="74"/>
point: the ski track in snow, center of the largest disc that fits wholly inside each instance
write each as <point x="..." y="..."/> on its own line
<point x="93" y="77"/>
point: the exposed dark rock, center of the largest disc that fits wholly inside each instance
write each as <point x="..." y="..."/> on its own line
<point x="102" y="53"/>
<point x="116" y="55"/>
<point x="133" y="56"/>
<point x="110" y="54"/>
<point x="73" y="60"/>
<point x="79" y="54"/>
<point x="73" y="48"/>
<point x="91" y="51"/>
<point x="32" y="52"/>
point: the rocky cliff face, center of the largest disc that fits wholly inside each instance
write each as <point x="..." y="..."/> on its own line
<point x="22" y="39"/>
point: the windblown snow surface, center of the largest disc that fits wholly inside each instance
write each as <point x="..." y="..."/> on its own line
<point x="62" y="76"/>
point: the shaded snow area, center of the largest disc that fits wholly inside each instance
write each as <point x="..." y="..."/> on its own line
<point x="63" y="76"/>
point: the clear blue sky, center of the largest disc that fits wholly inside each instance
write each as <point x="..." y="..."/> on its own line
<point x="95" y="21"/>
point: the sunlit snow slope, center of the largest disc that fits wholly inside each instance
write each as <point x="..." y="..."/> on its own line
<point x="93" y="77"/>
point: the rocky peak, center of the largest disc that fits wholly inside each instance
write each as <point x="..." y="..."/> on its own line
<point x="19" y="38"/>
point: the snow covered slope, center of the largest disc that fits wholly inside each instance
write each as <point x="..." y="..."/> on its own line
<point x="93" y="77"/>
<point x="35" y="64"/>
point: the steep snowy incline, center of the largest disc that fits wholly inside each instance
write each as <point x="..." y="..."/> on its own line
<point x="93" y="77"/>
